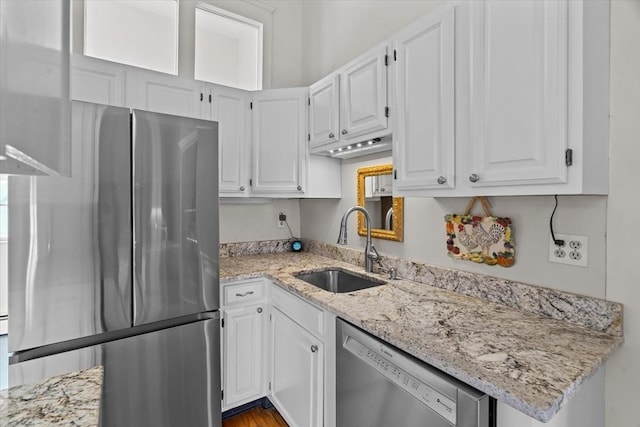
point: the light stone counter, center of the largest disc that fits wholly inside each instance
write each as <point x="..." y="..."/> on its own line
<point x="64" y="400"/>
<point x="527" y="360"/>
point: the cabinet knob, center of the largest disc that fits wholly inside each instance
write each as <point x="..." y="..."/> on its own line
<point x="331" y="135"/>
<point x="474" y="177"/>
<point x="314" y="348"/>
<point x="299" y="188"/>
<point x="344" y="131"/>
<point x="259" y="310"/>
<point x="242" y="188"/>
<point x="442" y="180"/>
<point x="382" y="189"/>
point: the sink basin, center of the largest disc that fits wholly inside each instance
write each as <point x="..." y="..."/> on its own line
<point x="338" y="281"/>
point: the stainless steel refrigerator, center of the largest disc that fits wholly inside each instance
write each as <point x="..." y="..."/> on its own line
<point x="118" y="266"/>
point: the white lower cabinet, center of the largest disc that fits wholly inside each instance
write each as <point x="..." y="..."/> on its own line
<point x="244" y="312"/>
<point x="297" y="366"/>
<point x="243" y="342"/>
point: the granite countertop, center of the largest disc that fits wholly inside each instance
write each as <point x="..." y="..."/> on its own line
<point x="529" y="361"/>
<point x="70" y="399"/>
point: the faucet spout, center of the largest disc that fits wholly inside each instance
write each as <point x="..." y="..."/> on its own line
<point x="370" y="253"/>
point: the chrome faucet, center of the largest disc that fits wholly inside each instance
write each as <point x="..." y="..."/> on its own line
<point x="370" y="253"/>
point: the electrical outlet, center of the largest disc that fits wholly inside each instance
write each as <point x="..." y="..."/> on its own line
<point x="281" y="220"/>
<point x="575" y="250"/>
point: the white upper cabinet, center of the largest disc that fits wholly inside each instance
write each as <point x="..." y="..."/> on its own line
<point x="324" y="111"/>
<point x="538" y="98"/>
<point x="97" y="81"/>
<point x="423" y="76"/>
<point x="231" y="111"/>
<point x="363" y="97"/>
<point x="263" y="150"/>
<point x="519" y="127"/>
<point x="163" y="93"/>
<point x="351" y="104"/>
<point x="278" y="142"/>
<point x="530" y="110"/>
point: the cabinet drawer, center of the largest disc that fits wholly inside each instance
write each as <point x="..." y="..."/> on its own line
<point x="242" y="292"/>
<point x="307" y="315"/>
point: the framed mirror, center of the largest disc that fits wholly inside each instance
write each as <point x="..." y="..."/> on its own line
<point x="376" y="196"/>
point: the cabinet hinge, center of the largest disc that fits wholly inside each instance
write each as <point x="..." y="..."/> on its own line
<point x="568" y="157"/>
<point x="386" y="111"/>
<point x="251" y="105"/>
<point x="221" y="394"/>
<point x="395" y="174"/>
<point x="269" y="386"/>
<point x="395" y="55"/>
<point x="308" y="137"/>
<point x="309" y="101"/>
<point x="386" y="60"/>
<point x="222" y="322"/>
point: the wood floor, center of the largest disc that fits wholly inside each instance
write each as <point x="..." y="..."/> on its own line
<point x="256" y="417"/>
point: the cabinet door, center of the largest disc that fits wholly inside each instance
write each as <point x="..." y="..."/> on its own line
<point x="278" y="141"/>
<point x="97" y="81"/>
<point x="425" y="107"/>
<point x="519" y="92"/>
<point x="297" y="372"/>
<point x="231" y="111"/>
<point x="165" y="94"/>
<point x="243" y="376"/>
<point x="363" y="95"/>
<point x="324" y="112"/>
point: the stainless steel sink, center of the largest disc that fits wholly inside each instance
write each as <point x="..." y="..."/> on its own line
<point x="338" y="280"/>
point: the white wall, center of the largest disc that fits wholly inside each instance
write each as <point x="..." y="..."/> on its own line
<point x="336" y="31"/>
<point x="242" y="222"/>
<point x="425" y="235"/>
<point x="623" y="214"/>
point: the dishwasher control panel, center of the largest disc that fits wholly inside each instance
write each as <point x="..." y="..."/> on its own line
<point x="379" y="359"/>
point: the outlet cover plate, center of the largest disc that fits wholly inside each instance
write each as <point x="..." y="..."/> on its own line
<point x="574" y="252"/>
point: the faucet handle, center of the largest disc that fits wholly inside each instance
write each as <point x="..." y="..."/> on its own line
<point x="373" y="253"/>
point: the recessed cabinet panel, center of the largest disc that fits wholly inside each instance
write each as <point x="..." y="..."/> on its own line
<point x="243" y="343"/>
<point x="324" y="111"/>
<point x="518" y="92"/>
<point x="167" y="94"/>
<point x="230" y="110"/>
<point x="424" y="138"/>
<point x="279" y="148"/>
<point x="363" y="97"/>
<point x="297" y="372"/>
<point x="97" y="81"/>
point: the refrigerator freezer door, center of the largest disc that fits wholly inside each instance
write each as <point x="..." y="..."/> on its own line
<point x="70" y="238"/>
<point x="175" y="216"/>
<point x="165" y="378"/>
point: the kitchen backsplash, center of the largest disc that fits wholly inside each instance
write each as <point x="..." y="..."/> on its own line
<point x="593" y="313"/>
<point x="254" y="248"/>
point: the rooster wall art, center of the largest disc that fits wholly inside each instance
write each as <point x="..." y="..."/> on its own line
<point x="480" y="239"/>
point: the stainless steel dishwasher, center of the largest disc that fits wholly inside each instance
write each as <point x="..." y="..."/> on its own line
<point x="380" y="386"/>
